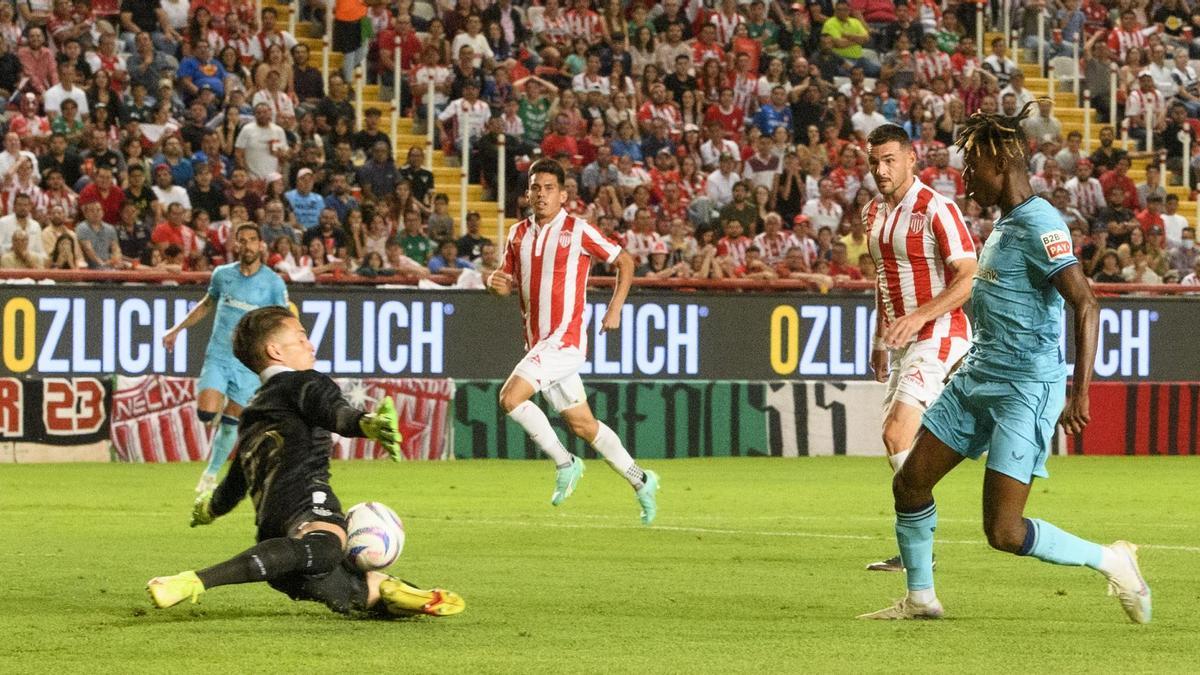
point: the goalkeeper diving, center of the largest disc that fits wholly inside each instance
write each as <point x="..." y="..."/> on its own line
<point x="282" y="463"/>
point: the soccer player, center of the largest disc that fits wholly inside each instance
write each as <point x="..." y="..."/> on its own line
<point x="1008" y="395"/>
<point x="924" y="260"/>
<point x="234" y="289"/>
<point x="547" y="259"/>
<point x="283" y="465"/>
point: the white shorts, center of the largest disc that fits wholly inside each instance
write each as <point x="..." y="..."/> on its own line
<point x="916" y="374"/>
<point x="554" y="371"/>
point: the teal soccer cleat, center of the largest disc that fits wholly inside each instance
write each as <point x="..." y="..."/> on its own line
<point x="565" y="481"/>
<point x="647" y="496"/>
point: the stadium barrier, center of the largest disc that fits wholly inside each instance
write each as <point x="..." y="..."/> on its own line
<point x="687" y="374"/>
<point x="56" y="331"/>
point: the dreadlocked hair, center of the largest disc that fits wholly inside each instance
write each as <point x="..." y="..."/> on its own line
<point x="1001" y="134"/>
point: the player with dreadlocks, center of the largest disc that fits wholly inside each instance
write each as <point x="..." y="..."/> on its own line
<point x="1008" y="395"/>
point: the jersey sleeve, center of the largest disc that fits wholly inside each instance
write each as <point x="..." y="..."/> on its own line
<point x="597" y="246"/>
<point x="281" y="295"/>
<point x="1048" y="251"/>
<point x="321" y="401"/>
<point x="231" y="489"/>
<point x="214" y="285"/>
<point x="954" y="241"/>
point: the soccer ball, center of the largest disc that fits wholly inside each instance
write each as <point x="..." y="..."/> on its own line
<point x="376" y="536"/>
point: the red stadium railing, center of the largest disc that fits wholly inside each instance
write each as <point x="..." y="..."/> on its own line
<point x="774" y="285"/>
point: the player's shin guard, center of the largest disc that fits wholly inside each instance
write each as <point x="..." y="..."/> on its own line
<point x="222" y="444"/>
<point x="315" y="553"/>
<point x="534" y="422"/>
<point x="609" y="446"/>
<point x="914" y="533"/>
<point x="1050" y="544"/>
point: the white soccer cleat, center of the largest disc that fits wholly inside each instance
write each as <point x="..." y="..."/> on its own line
<point x="906" y="608"/>
<point x="1128" y="585"/>
<point x="208" y="483"/>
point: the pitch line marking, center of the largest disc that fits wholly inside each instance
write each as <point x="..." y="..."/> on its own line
<point x="733" y="532"/>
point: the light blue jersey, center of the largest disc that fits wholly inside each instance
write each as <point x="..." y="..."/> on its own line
<point x="1018" y="312"/>
<point x="237" y="294"/>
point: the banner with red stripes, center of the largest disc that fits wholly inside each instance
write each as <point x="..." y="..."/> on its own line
<point x="1141" y="419"/>
<point x="154" y="419"/>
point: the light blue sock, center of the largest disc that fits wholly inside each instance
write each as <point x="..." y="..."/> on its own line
<point x="914" y="533"/>
<point x="222" y="444"/>
<point x="1050" y="544"/>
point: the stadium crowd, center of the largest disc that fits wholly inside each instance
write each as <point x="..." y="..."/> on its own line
<point x="714" y="140"/>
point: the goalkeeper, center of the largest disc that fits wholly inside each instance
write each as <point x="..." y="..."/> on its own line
<point x="282" y="462"/>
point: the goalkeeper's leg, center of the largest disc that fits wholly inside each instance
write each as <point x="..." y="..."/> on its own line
<point x="316" y="549"/>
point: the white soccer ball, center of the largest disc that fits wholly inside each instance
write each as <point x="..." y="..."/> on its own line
<point x="376" y="536"/>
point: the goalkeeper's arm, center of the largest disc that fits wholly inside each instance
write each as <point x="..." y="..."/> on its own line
<point x="210" y="505"/>
<point x="322" y="401"/>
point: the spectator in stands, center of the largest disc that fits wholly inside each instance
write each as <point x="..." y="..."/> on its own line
<point x="1184" y="255"/>
<point x="98" y="239"/>
<point x="261" y="146"/>
<point x="333" y="236"/>
<point x="19" y="256"/>
<point x="305" y="204"/>
<point x="413" y="241"/>
<point x="133" y="234"/>
<point x="447" y="260"/>
<point x="22" y="220"/>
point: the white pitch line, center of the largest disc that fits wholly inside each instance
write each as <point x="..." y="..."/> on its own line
<point x="733" y="532"/>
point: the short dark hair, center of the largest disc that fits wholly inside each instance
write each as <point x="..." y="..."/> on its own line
<point x="247" y="226"/>
<point x="546" y="165"/>
<point x="250" y="335"/>
<point x="886" y="133"/>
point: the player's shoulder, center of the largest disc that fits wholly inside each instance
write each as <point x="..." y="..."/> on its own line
<point x="1039" y="215"/>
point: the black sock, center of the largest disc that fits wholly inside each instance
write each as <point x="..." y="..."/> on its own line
<point x="314" y="553"/>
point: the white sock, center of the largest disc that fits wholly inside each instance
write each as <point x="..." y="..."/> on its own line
<point x="897" y="460"/>
<point x="609" y="446"/>
<point x="1110" y="562"/>
<point x="925" y="596"/>
<point x="534" y="422"/>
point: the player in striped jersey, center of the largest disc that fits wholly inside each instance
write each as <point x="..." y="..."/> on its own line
<point x="1007" y="398"/>
<point x="547" y="260"/>
<point x="924" y="260"/>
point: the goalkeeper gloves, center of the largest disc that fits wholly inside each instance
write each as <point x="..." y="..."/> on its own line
<point x="202" y="509"/>
<point x="382" y="426"/>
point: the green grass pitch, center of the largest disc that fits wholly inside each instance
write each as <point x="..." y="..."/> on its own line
<point x="755" y="565"/>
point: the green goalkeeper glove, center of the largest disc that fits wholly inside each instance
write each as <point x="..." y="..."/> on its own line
<point x="382" y="426"/>
<point x="202" y="509"/>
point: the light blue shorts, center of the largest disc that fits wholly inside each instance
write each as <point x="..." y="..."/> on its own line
<point x="230" y="378"/>
<point x="1011" y="421"/>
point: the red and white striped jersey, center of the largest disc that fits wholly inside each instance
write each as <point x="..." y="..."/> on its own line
<point x="726" y="25"/>
<point x="911" y="245"/>
<point x="638" y="244"/>
<point x="1120" y="41"/>
<point x="1138" y="101"/>
<point x="931" y="65"/>
<point x="947" y="181"/>
<point x="584" y="23"/>
<point x="550" y="265"/>
<point x="775" y="247"/>
<point x="734" y="249"/>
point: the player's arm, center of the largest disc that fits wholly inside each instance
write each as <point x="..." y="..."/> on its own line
<point x="879" y="350"/>
<point x="612" y="317"/>
<point x="322" y="402"/>
<point x="1074" y="287"/>
<point x="215" y="503"/>
<point x="193" y="317"/>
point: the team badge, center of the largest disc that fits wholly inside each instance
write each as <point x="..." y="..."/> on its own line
<point x="917" y="222"/>
<point x="564" y="239"/>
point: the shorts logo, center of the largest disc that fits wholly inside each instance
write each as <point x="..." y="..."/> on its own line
<point x="1056" y="244"/>
<point x="914" y="376"/>
<point x="318" y="497"/>
<point x="536" y="358"/>
<point x="564" y="239"/>
<point x="917" y="222"/>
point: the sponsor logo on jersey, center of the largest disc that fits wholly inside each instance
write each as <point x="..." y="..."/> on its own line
<point x="1057" y="245"/>
<point x="987" y="274"/>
